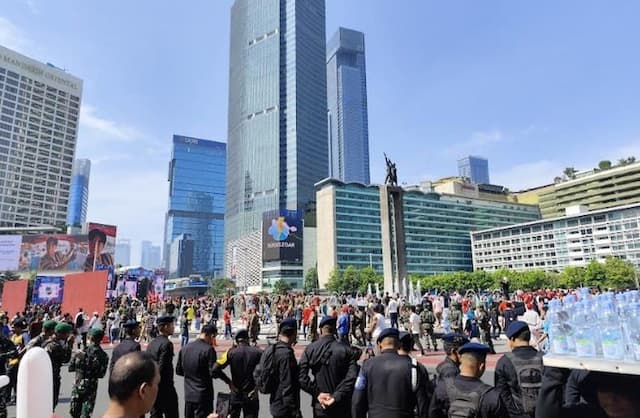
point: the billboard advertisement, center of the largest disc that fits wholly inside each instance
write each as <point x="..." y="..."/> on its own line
<point x="47" y="289"/>
<point x="9" y="252"/>
<point x="58" y="253"/>
<point x="102" y="247"/>
<point x="84" y="290"/>
<point x="282" y="236"/>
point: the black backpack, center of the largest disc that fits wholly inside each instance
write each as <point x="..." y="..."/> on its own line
<point x="529" y="373"/>
<point x="465" y="404"/>
<point x="264" y="374"/>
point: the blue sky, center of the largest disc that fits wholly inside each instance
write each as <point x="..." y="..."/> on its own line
<point x="533" y="86"/>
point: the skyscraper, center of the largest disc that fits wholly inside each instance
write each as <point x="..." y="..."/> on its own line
<point x="277" y="142"/>
<point x="150" y="256"/>
<point x="39" y="110"/>
<point x="123" y="252"/>
<point x="347" y="101"/>
<point x="196" y="201"/>
<point x="474" y="168"/>
<point x="79" y="194"/>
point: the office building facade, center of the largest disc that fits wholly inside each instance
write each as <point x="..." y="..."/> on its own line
<point x="150" y="255"/>
<point x="617" y="186"/>
<point x="39" y="111"/>
<point x="277" y="143"/>
<point x="79" y="193"/>
<point x="350" y="225"/>
<point x="475" y="169"/>
<point x="196" y="201"/>
<point x="553" y="244"/>
<point x="123" y="252"/>
<point x="181" y="256"/>
<point x="347" y="102"/>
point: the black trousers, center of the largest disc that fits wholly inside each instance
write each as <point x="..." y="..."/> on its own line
<point x="166" y="405"/>
<point x="240" y="403"/>
<point x="198" y="409"/>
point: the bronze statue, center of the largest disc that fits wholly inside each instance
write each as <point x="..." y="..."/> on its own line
<point x="392" y="172"/>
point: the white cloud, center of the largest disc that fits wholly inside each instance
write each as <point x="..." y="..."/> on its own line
<point x="13" y="37"/>
<point x="477" y="143"/>
<point x="527" y="175"/>
<point x="112" y="129"/>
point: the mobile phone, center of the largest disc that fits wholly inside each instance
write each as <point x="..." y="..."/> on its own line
<point x="223" y="404"/>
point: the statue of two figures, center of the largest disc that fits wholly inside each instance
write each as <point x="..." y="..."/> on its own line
<point x="392" y="172"/>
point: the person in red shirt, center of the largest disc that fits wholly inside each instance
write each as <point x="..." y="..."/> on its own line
<point x="306" y="314"/>
<point x="227" y="323"/>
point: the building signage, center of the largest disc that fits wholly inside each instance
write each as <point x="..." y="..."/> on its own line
<point x="282" y="236"/>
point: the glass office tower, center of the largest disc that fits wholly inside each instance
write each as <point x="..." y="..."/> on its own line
<point x="196" y="201"/>
<point x="474" y="168"/>
<point x="347" y="101"/>
<point x="79" y="193"/>
<point x="277" y="142"/>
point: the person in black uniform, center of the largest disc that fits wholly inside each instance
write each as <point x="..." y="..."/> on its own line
<point x="196" y="362"/>
<point x="385" y="387"/>
<point x="128" y="344"/>
<point x="406" y="346"/>
<point x="243" y="360"/>
<point x="450" y="366"/>
<point x="161" y="349"/>
<point x="519" y="402"/>
<point x="284" y="401"/>
<point x="466" y="395"/>
<point x="334" y="368"/>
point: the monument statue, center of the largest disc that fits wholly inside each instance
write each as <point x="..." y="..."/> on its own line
<point x="392" y="172"/>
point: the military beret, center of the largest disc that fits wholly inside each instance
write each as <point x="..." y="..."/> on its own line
<point x="328" y="320"/>
<point x="209" y="330"/>
<point x="63" y="328"/>
<point x="288" y="323"/>
<point x="165" y="319"/>
<point x="454" y="338"/>
<point x="96" y="332"/>
<point x="49" y="325"/>
<point x="515" y="328"/>
<point x="242" y="335"/>
<point x="388" y="333"/>
<point x="474" y="348"/>
<point x="405" y="337"/>
<point x="130" y="324"/>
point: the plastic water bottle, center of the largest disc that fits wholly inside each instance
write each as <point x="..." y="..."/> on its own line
<point x="613" y="344"/>
<point x="566" y="314"/>
<point x="584" y="331"/>
<point x="557" y="330"/>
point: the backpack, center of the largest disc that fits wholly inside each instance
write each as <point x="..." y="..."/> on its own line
<point x="464" y="404"/>
<point x="529" y="374"/>
<point x="264" y="374"/>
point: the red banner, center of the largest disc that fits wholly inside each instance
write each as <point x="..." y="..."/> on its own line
<point x="86" y="291"/>
<point x="14" y="297"/>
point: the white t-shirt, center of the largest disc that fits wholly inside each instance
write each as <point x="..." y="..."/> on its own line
<point x="416" y="323"/>
<point x="393" y="306"/>
<point x="380" y="325"/>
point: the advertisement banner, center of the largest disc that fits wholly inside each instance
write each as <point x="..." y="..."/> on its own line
<point x="131" y="287"/>
<point x="282" y="236"/>
<point x="55" y="253"/>
<point x="14" y="296"/>
<point x="10" y="252"/>
<point x="47" y="289"/>
<point x="102" y="247"/>
<point x="84" y="290"/>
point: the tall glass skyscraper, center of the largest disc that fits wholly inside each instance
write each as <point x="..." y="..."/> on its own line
<point x="277" y="142"/>
<point x="347" y="101"/>
<point x="196" y="201"/>
<point x="474" y="168"/>
<point x="79" y="193"/>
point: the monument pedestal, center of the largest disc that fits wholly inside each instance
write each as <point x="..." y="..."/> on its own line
<point x="394" y="256"/>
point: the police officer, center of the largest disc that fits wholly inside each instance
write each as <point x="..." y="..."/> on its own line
<point x="372" y="397"/>
<point x="284" y="400"/>
<point x="89" y="365"/>
<point x="196" y="362"/>
<point x="450" y="366"/>
<point x="243" y="360"/>
<point x="128" y="343"/>
<point x="48" y="327"/>
<point x="466" y="395"/>
<point x="523" y="363"/>
<point x="161" y="349"/>
<point x="406" y="346"/>
<point x="334" y="368"/>
<point x="59" y="349"/>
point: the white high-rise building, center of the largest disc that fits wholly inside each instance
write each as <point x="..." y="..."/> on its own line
<point x="39" y="111"/>
<point x="123" y="252"/>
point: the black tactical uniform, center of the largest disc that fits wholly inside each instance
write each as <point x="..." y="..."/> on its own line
<point x="196" y="362"/>
<point x="161" y="349"/>
<point x="385" y="388"/>
<point x="335" y="370"/>
<point x="447" y="369"/>
<point x="460" y="387"/>
<point x="506" y="379"/>
<point x="126" y="346"/>
<point x="7" y="350"/>
<point x="243" y="360"/>
<point x="284" y="401"/>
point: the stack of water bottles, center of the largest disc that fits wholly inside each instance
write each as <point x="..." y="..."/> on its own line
<point x="606" y="326"/>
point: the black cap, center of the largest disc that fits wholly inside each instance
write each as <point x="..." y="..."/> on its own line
<point x="328" y="320"/>
<point x="131" y="324"/>
<point x="388" y="332"/>
<point x="209" y="330"/>
<point x="454" y="338"/>
<point x="243" y="334"/>
<point x="515" y="328"/>
<point x="405" y="338"/>
<point x="288" y="323"/>
<point x="165" y="319"/>
<point x="474" y="348"/>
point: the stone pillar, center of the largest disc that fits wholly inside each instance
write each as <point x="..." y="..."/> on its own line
<point x="394" y="257"/>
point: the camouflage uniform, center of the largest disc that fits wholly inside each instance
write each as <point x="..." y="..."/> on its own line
<point x="59" y="353"/>
<point x="428" y="319"/>
<point x="455" y="318"/>
<point x="89" y="366"/>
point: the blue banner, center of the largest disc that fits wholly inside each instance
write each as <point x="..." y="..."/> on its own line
<point x="47" y="289"/>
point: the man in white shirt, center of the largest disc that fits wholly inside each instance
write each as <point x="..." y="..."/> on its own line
<point x="392" y="309"/>
<point x="415" y="325"/>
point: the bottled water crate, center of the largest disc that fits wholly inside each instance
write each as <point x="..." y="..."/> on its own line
<point x="592" y="364"/>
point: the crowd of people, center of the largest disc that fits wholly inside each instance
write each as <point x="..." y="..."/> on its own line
<point x="360" y="359"/>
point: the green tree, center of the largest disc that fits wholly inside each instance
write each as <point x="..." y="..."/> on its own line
<point x="350" y="280"/>
<point x="570" y="172"/>
<point x="571" y="277"/>
<point x="595" y="274"/>
<point x="221" y="287"/>
<point x="282" y="287"/>
<point x="604" y="165"/>
<point x="311" y="284"/>
<point x="369" y="276"/>
<point x="620" y="274"/>
<point x="335" y="283"/>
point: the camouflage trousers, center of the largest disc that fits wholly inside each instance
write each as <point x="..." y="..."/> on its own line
<point x="83" y="398"/>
